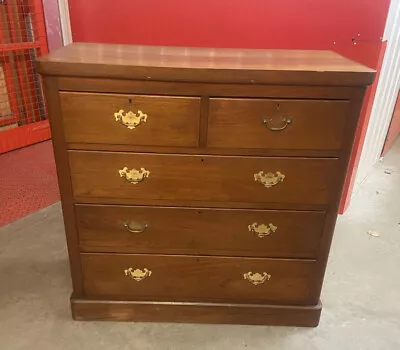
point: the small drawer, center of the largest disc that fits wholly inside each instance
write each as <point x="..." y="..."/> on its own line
<point x="202" y="178"/>
<point x="228" y="232"/>
<point x="199" y="278"/>
<point x="277" y="124"/>
<point x="130" y="119"/>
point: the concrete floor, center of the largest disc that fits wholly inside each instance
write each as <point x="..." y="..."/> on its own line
<point x="361" y="295"/>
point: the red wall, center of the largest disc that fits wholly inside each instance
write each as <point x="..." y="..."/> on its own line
<point x="308" y="24"/>
<point x="353" y="28"/>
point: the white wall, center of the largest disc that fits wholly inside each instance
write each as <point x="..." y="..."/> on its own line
<point x="385" y="98"/>
<point x="65" y="22"/>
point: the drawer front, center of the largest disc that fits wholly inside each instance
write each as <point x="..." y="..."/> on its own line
<point x="198" y="278"/>
<point x="201" y="178"/>
<point x="136" y="229"/>
<point x="165" y="121"/>
<point x="277" y="124"/>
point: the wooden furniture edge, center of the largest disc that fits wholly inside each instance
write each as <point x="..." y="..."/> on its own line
<point x="337" y="189"/>
<point x="148" y="311"/>
<point x="205" y="75"/>
<point x="120" y="86"/>
<point x="64" y="181"/>
<point x="89" y="309"/>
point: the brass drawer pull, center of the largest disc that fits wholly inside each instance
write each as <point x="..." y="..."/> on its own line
<point x="134" y="176"/>
<point x="284" y="122"/>
<point x="269" y="179"/>
<point x="133" y="227"/>
<point x="129" y="119"/>
<point x="262" y="230"/>
<point x="256" y="278"/>
<point x="137" y="274"/>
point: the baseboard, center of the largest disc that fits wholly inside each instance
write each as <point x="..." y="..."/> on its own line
<point x="147" y="311"/>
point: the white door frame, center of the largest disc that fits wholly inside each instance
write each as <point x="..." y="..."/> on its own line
<point x="385" y="97"/>
<point x="65" y="21"/>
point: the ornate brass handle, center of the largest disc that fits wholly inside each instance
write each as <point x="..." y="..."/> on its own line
<point x="133" y="227"/>
<point x="134" y="176"/>
<point x="129" y="119"/>
<point x="257" y="277"/>
<point x="269" y="179"/>
<point x="284" y="122"/>
<point x="137" y="274"/>
<point x="262" y="230"/>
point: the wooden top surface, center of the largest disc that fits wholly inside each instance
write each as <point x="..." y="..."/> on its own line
<point x="161" y="63"/>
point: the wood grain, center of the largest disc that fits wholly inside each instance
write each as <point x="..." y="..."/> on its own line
<point x="201" y="178"/>
<point x="198" y="278"/>
<point x="142" y="311"/>
<point x="168" y="88"/>
<point x="198" y="231"/>
<point x="202" y="144"/>
<point x="202" y="150"/>
<point x="205" y="204"/>
<point x="64" y="181"/>
<point x="331" y="217"/>
<point x="314" y="124"/>
<point x="171" y="121"/>
<point x="205" y="65"/>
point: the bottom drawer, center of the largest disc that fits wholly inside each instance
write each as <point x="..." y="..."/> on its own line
<point x="199" y="278"/>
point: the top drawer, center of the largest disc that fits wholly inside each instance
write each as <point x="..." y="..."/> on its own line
<point x="94" y="118"/>
<point x="277" y="124"/>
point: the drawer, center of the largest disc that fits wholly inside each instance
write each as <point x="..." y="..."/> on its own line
<point x="201" y="178"/>
<point x="168" y="121"/>
<point x="277" y="124"/>
<point x="137" y="229"/>
<point x="198" y="278"/>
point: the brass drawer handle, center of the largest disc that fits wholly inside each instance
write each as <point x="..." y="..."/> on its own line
<point x="269" y="179"/>
<point x="134" y="176"/>
<point x="284" y="122"/>
<point x="137" y="274"/>
<point x="256" y="278"/>
<point x="262" y="230"/>
<point x="133" y="227"/>
<point x="129" y="119"/>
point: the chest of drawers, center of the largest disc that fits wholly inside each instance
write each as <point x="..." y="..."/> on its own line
<point x="200" y="185"/>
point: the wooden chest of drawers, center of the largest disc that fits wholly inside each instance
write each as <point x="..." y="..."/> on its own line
<point x="200" y="185"/>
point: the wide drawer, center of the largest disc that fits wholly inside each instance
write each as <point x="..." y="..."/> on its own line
<point x="138" y="229"/>
<point x="198" y="278"/>
<point x="155" y="120"/>
<point x="277" y="124"/>
<point x="201" y="178"/>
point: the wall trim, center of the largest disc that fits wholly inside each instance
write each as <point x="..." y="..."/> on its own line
<point x="385" y="98"/>
<point x="65" y="22"/>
